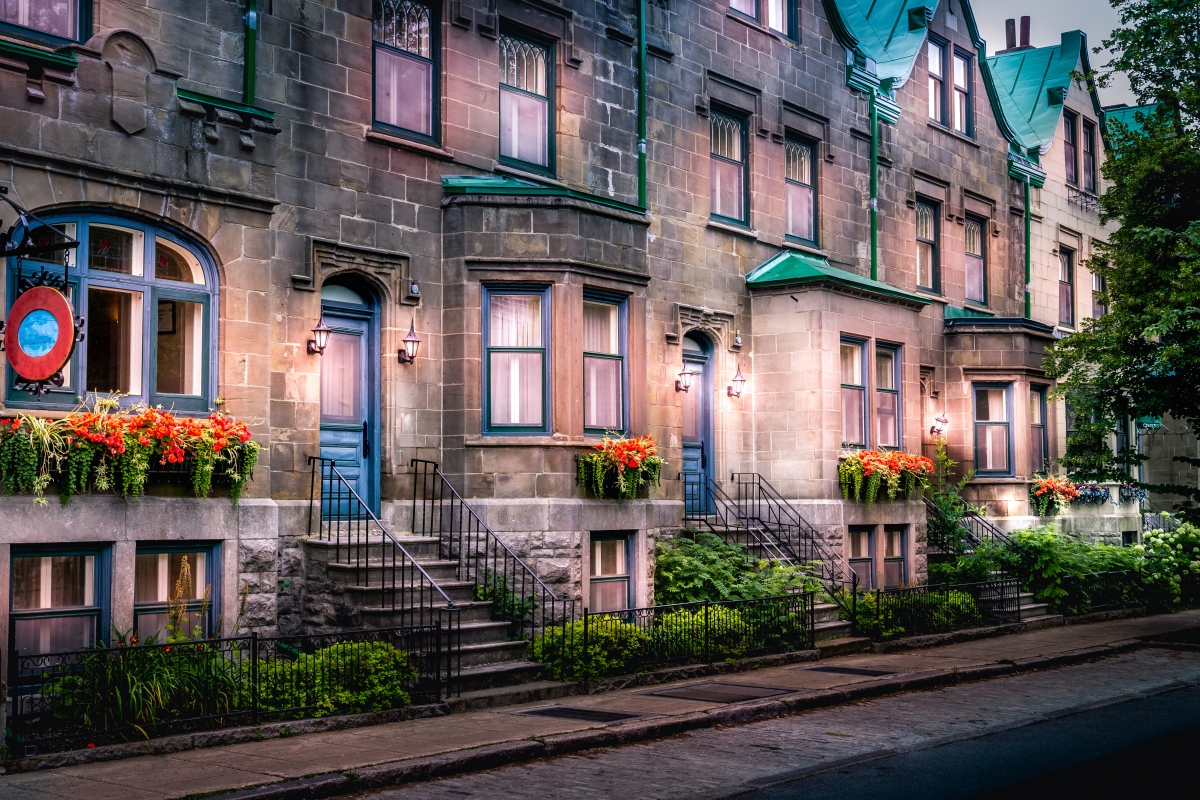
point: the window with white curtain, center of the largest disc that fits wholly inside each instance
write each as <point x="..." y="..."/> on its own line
<point x="603" y="365"/>
<point x="526" y="113"/>
<point x="799" y="182"/>
<point x="975" y="261"/>
<point x="927" y="246"/>
<point x="936" y="57"/>
<point x="993" y="430"/>
<point x="854" y="394"/>
<point x="962" y="94"/>
<point x="55" y="603"/>
<point x="406" y="70"/>
<point x="515" y="346"/>
<point x="173" y="592"/>
<point x="887" y="395"/>
<point x="728" y="160"/>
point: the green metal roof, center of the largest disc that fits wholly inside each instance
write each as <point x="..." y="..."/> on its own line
<point x="493" y="184"/>
<point x="1032" y="85"/>
<point x="890" y="32"/>
<point x="792" y="268"/>
<point x="1127" y="115"/>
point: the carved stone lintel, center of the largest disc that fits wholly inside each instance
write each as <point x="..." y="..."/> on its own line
<point x="461" y="16"/>
<point x="720" y="325"/>
<point x="392" y="269"/>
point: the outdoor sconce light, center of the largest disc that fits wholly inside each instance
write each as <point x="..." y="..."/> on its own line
<point x="739" y="383"/>
<point x="316" y="345"/>
<point x="685" y="380"/>
<point x="414" y="289"/>
<point x="411" y="344"/>
<point x="939" y="425"/>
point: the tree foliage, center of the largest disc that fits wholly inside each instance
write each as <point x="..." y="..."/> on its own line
<point x="1143" y="357"/>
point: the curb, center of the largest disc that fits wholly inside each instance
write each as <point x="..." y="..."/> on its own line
<point x="634" y="731"/>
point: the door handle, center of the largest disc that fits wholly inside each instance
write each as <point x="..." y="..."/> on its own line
<point x="366" y="442"/>
<point x="703" y="457"/>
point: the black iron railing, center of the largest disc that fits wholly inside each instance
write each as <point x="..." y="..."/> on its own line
<point x="778" y="528"/>
<point x="635" y="640"/>
<point x="1159" y="521"/>
<point x="958" y="536"/>
<point x="1099" y="591"/>
<point x="915" y="610"/>
<point x="518" y="596"/>
<point x="70" y="700"/>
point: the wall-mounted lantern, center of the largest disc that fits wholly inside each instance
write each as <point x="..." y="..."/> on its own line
<point x="685" y="380"/>
<point x="411" y="344"/>
<point x="938" y="429"/>
<point x="316" y="345"/>
<point x="738" y="383"/>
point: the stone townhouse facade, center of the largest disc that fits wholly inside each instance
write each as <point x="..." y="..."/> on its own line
<point x="823" y="195"/>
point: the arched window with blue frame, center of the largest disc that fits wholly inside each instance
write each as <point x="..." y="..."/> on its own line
<point x="148" y="297"/>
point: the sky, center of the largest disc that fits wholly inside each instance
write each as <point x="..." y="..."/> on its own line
<point x="1050" y="18"/>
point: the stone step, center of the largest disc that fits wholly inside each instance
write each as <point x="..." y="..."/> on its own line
<point x="827" y="631"/>
<point x="499" y="676"/>
<point x="373" y="571"/>
<point x="457" y="591"/>
<point x="1042" y="621"/>
<point x="531" y="691"/>
<point x="843" y="646"/>
<point x="478" y="655"/>
<point x="472" y="611"/>
<point x="372" y="545"/>
<point x="1034" y="610"/>
<point x="826" y="612"/>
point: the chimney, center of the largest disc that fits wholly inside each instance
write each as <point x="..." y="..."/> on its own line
<point x="1010" y="34"/>
<point x="1024" y="31"/>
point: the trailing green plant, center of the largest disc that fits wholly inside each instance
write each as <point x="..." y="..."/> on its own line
<point x="619" y="467"/>
<point x="862" y="473"/>
<point x="707" y="567"/>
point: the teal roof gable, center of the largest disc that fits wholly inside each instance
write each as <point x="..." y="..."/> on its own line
<point x="1032" y="84"/>
<point x="792" y="268"/>
<point x="889" y="32"/>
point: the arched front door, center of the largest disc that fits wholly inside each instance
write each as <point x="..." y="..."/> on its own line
<point x="698" y="416"/>
<point x="350" y="389"/>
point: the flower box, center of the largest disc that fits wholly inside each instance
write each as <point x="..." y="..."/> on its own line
<point x="1050" y="495"/>
<point x="620" y="468"/>
<point x="862" y="473"/>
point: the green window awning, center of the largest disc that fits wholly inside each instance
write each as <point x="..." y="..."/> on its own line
<point x="793" y="268"/>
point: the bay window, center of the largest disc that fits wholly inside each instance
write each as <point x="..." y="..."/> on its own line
<point x="603" y="364"/>
<point x="799" y="183"/>
<point x="405" y="43"/>
<point x="887" y="395"/>
<point x="148" y="300"/>
<point x="526" y="113"/>
<point x="59" y="600"/>
<point x="516" y="353"/>
<point x="976" y="260"/>
<point x="728" y="162"/>
<point x="854" y="393"/>
<point x="993" y="429"/>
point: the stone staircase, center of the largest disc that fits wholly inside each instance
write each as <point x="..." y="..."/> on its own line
<point x="1035" y="614"/>
<point x="834" y="635"/>
<point x="383" y="592"/>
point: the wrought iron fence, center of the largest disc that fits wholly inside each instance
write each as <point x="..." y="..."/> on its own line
<point x="1099" y="591"/>
<point x="498" y="575"/>
<point x="70" y="700"/>
<point x="758" y="518"/>
<point x="937" y="608"/>
<point x="958" y="536"/>
<point x="636" y="640"/>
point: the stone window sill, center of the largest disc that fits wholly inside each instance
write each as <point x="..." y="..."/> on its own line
<point x="516" y="172"/>
<point x="791" y="244"/>
<point x="405" y="144"/>
<point x="937" y="126"/>
<point x="754" y="24"/>
<point x="557" y="440"/>
<point x="745" y="233"/>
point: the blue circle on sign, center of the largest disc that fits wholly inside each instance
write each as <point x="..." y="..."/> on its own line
<point x="38" y="333"/>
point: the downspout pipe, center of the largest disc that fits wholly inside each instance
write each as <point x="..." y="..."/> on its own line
<point x="1028" y="254"/>
<point x="874" y="186"/>
<point x="641" y="106"/>
<point x="250" y="52"/>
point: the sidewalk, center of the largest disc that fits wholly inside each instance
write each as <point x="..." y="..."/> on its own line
<point x="343" y="761"/>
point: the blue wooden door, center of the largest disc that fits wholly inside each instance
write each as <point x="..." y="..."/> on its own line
<point x="348" y="427"/>
<point x="697" y="426"/>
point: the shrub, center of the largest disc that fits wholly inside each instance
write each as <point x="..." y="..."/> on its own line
<point x="681" y="634"/>
<point x="613" y="648"/>
<point x="347" y="678"/>
<point x="709" y="568"/>
<point x="1172" y="566"/>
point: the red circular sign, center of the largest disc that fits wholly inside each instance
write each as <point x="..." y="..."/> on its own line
<point x="40" y="333"/>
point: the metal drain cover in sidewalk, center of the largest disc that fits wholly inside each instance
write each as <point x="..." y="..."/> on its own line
<point x="852" y="670"/>
<point x="584" y="714"/>
<point x="720" y="692"/>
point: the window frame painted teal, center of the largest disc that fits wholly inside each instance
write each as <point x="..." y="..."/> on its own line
<point x="614" y="536"/>
<point x="84" y="24"/>
<point x="486" y="293"/>
<point x="81" y="280"/>
<point x="902" y="558"/>
<point x="1008" y="427"/>
<point x="551" y="50"/>
<point x="935" y="244"/>
<point x="869" y="559"/>
<point x="864" y="388"/>
<point x="813" y="147"/>
<point x="622" y="304"/>
<point x="983" y="259"/>
<point x="1041" y="431"/>
<point x="743" y="121"/>
<point x="945" y="79"/>
<point x="101" y="587"/>
<point x="435" y="90"/>
<point x="212" y="578"/>
<point x="968" y="90"/>
<point x="898" y="381"/>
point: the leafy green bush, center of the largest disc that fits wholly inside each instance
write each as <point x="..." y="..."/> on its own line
<point x="680" y="634"/>
<point x="347" y="678"/>
<point x="613" y="648"/>
<point x="1172" y="566"/>
<point x="916" y="613"/>
<point x="709" y="568"/>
